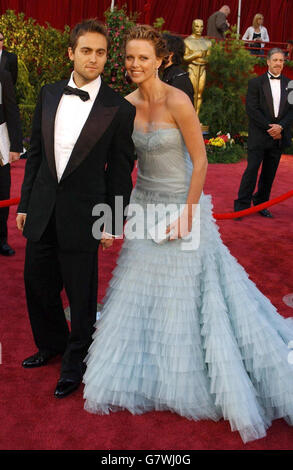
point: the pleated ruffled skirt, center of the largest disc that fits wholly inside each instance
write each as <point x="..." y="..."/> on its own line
<point x="189" y="332"/>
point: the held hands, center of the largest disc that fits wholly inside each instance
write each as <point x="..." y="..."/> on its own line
<point x="275" y="131"/>
<point x="20" y="221"/>
<point x="13" y="156"/>
<point x="107" y="240"/>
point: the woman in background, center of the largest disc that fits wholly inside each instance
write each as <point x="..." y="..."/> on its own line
<point x="258" y="34"/>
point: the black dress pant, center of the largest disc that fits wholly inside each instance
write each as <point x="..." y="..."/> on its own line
<point x="5" y="183"/>
<point x="269" y="158"/>
<point x="47" y="270"/>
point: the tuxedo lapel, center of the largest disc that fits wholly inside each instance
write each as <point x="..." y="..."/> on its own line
<point x="50" y="105"/>
<point x="99" y="119"/>
<point x="284" y="96"/>
<point x="3" y="60"/>
<point x="268" y="95"/>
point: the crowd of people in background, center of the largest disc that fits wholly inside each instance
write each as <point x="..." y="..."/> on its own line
<point x="256" y="36"/>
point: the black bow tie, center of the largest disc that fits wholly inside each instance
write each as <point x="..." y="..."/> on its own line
<point x="84" y="96"/>
<point x="274" y="78"/>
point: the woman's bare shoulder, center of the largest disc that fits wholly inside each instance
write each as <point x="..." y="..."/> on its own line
<point x="132" y="97"/>
<point x="177" y="100"/>
<point x="174" y="95"/>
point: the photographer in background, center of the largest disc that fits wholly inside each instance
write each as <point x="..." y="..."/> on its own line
<point x="173" y="74"/>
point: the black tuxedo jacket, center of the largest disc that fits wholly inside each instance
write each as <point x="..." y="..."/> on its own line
<point x="9" y="112"/>
<point x="259" y="107"/>
<point x="9" y="63"/>
<point x="99" y="168"/>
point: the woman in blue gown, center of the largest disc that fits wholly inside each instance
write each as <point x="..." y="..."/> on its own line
<point x="183" y="328"/>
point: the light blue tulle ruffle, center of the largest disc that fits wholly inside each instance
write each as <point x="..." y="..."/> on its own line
<point x="189" y="332"/>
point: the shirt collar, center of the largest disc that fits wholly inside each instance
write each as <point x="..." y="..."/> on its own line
<point x="92" y="88"/>
<point x="272" y="75"/>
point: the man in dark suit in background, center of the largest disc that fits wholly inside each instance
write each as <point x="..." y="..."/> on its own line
<point x="270" y="120"/>
<point x="9" y="116"/>
<point x="81" y="154"/>
<point x="218" y="23"/>
<point x="8" y="61"/>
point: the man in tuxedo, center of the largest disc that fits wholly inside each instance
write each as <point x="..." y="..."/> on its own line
<point x="8" y="61"/>
<point x="9" y="115"/>
<point x="270" y="120"/>
<point x="81" y="154"/>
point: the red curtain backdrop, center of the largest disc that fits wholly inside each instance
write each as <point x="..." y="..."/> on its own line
<point x="178" y="14"/>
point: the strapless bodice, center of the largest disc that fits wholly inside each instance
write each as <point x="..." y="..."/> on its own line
<point x="163" y="161"/>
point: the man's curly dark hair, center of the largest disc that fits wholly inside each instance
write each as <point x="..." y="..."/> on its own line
<point x="176" y="45"/>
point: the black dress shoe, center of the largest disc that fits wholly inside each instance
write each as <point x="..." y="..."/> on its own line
<point x="65" y="387"/>
<point x="6" y="250"/>
<point x="39" y="359"/>
<point x="266" y="213"/>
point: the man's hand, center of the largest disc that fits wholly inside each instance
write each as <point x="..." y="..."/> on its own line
<point x="107" y="241"/>
<point x="20" y="221"/>
<point x="13" y="156"/>
<point x="275" y="131"/>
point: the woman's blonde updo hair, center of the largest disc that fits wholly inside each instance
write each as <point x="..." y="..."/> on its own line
<point x="148" y="33"/>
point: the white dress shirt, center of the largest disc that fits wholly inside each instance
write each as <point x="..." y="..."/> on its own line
<point x="71" y="116"/>
<point x="276" y="93"/>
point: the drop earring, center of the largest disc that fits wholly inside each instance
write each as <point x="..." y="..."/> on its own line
<point x="127" y="77"/>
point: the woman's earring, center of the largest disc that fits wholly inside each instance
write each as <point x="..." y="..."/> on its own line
<point x="127" y="77"/>
<point x="157" y="73"/>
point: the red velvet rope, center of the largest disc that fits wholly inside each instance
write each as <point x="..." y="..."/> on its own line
<point x="9" y="202"/>
<point x="227" y="215"/>
<point x="252" y="210"/>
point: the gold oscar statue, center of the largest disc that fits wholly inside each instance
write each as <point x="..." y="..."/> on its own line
<point x="197" y="50"/>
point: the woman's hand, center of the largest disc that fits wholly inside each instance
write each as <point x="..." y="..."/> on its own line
<point x="182" y="226"/>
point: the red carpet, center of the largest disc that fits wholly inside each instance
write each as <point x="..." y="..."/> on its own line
<point x="33" y="419"/>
